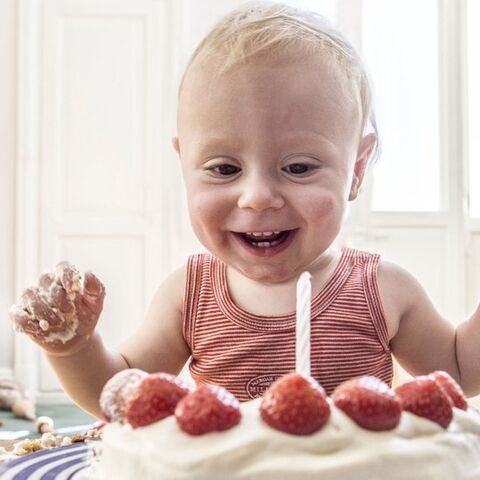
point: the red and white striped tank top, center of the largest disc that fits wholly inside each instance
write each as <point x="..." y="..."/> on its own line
<point x="245" y="353"/>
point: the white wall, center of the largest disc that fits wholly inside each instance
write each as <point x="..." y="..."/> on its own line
<point x="7" y="177"/>
<point x="163" y="222"/>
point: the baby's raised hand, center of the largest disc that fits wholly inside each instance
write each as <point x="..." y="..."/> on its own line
<point x="60" y="314"/>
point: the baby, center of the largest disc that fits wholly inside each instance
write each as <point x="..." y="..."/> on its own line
<point x="274" y="137"/>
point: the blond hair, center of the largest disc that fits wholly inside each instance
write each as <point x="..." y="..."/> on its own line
<point x="267" y="28"/>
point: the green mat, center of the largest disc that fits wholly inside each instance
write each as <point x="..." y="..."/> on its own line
<point x="65" y="415"/>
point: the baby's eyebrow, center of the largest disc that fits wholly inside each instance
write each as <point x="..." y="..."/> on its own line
<point x="210" y="144"/>
<point x="308" y="135"/>
<point x="223" y="145"/>
<point x="311" y="139"/>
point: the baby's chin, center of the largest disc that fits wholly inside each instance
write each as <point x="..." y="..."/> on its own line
<point x="286" y="270"/>
<point x="267" y="272"/>
<point x="278" y="269"/>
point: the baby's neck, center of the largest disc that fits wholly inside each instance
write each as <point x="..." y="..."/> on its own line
<point x="250" y="294"/>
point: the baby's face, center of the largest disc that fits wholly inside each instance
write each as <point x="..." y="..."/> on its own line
<point x="271" y="149"/>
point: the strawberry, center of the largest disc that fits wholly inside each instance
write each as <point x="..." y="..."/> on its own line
<point x="155" y="398"/>
<point x="295" y="404"/>
<point x="117" y="391"/>
<point x="452" y="388"/>
<point x="210" y="408"/>
<point x="369" y="402"/>
<point x="425" y="397"/>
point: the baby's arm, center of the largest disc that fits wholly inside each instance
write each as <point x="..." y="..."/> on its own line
<point x="157" y="345"/>
<point x="83" y="364"/>
<point x="421" y="339"/>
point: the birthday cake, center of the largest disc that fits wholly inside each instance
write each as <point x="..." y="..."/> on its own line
<point x="160" y="429"/>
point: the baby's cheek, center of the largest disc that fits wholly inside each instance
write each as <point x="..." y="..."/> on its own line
<point x="206" y="206"/>
<point x="208" y="213"/>
<point x="323" y="205"/>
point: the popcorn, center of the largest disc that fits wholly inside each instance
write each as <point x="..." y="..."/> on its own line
<point x="94" y="434"/>
<point x="44" y="424"/>
<point x="27" y="446"/>
<point x="66" y="441"/>
<point x="48" y="440"/>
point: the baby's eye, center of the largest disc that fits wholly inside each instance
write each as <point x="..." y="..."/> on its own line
<point x="225" y="169"/>
<point x="297" y="168"/>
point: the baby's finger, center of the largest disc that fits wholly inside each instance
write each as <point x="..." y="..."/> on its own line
<point x="35" y="304"/>
<point x="55" y="293"/>
<point x="90" y="304"/>
<point x="69" y="277"/>
<point x="93" y="288"/>
<point x="59" y="298"/>
<point x="21" y="319"/>
<point x="24" y="322"/>
<point x="46" y="280"/>
<point x="28" y="297"/>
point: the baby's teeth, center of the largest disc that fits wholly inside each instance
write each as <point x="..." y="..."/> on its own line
<point x="263" y="244"/>
<point x="261" y="234"/>
<point x="266" y="244"/>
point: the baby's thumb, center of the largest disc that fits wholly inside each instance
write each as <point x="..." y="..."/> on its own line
<point x="93" y="290"/>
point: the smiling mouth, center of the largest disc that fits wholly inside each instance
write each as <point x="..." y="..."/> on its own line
<point x="264" y="239"/>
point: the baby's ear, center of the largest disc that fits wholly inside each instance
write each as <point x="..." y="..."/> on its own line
<point x="365" y="150"/>
<point x="176" y="144"/>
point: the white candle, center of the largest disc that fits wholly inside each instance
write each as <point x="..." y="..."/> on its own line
<point x="302" y="349"/>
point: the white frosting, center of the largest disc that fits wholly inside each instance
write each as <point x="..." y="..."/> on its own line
<point x="44" y="325"/>
<point x="69" y="331"/>
<point x="69" y="323"/>
<point x="417" y="449"/>
<point x="70" y="320"/>
<point x="76" y="281"/>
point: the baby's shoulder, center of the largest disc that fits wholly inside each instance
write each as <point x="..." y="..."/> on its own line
<point x="392" y="276"/>
<point x="398" y="290"/>
<point x="171" y="289"/>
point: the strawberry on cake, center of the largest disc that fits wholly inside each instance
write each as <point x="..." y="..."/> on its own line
<point x="365" y="430"/>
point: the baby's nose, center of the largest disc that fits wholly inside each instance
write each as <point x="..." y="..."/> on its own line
<point x="260" y="194"/>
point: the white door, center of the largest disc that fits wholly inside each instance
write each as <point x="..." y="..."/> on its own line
<point x="98" y="180"/>
<point x="97" y="76"/>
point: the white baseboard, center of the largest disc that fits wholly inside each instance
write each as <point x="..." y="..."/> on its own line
<point x="40" y="398"/>
<point x="6" y="373"/>
<point x="47" y="398"/>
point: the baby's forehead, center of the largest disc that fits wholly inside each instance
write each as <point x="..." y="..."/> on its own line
<point x="306" y="79"/>
<point x="321" y="63"/>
